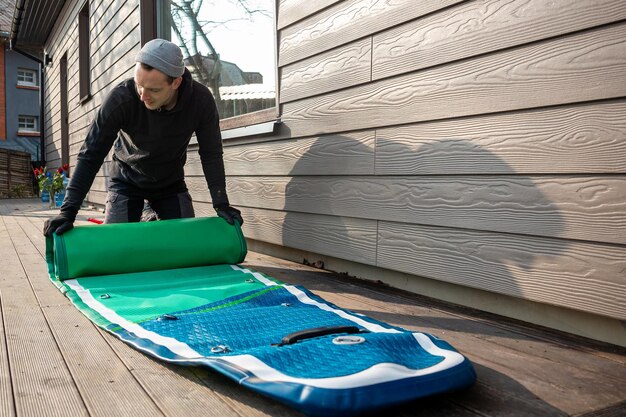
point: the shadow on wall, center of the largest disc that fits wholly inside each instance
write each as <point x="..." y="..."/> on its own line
<point x="448" y="210"/>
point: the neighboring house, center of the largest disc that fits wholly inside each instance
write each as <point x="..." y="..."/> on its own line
<point x="19" y="96"/>
<point x="240" y="91"/>
<point x="472" y="151"/>
<point x="230" y="73"/>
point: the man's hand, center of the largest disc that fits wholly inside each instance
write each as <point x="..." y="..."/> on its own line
<point x="230" y="214"/>
<point x="59" y="224"/>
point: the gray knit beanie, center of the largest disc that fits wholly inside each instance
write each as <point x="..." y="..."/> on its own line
<point x="164" y="56"/>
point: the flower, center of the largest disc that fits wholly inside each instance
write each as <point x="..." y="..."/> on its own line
<point x="48" y="182"/>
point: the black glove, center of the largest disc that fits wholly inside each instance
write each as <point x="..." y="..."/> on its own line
<point x="59" y="224"/>
<point x="230" y="214"/>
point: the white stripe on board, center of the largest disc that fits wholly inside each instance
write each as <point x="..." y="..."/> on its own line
<point x="377" y="374"/>
<point x="305" y="299"/>
<point x="257" y="275"/>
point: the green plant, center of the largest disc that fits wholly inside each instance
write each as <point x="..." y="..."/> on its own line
<point x="18" y="191"/>
<point x="48" y="182"/>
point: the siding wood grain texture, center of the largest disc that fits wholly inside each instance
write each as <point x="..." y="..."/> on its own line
<point x="290" y="11"/>
<point x="347" y="21"/>
<point x="578" y="207"/>
<point x="342" y="67"/>
<point x="477" y="27"/>
<point x="499" y="122"/>
<point x="478" y="142"/>
<point x="569" y="139"/>
<point x="562" y="70"/>
<point x="552" y="271"/>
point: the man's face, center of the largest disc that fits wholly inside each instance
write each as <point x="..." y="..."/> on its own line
<point x="153" y="88"/>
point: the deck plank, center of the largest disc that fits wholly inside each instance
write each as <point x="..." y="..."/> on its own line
<point x="7" y="405"/>
<point x="42" y="384"/>
<point x="106" y="384"/>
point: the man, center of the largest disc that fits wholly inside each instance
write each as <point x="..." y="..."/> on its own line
<point x="149" y="121"/>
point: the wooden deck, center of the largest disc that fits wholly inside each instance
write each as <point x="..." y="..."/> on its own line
<point x="54" y="362"/>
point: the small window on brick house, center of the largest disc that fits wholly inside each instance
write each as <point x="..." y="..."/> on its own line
<point x="27" y="124"/>
<point x="27" y="77"/>
<point x="84" y="64"/>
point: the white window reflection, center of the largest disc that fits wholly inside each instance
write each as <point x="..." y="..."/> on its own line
<point x="229" y="46"/>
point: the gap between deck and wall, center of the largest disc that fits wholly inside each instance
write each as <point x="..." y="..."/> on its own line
<point x="604" y="329"/>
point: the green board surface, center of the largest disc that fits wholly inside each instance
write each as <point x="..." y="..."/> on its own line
<point x="149" y="246"/>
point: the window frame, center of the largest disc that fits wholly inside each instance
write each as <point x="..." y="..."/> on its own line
<point x="25" y="119"/>
<point x="28" y="84"/>
<point x="153" y="26"/>
<point x="84" y="52"/>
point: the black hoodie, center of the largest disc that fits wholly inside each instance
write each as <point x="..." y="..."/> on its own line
<point x="150" y="146"/>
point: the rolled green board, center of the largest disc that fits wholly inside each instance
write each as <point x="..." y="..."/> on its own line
<point x="147" y="246"/>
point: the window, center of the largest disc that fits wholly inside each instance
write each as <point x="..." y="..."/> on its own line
<point x="27" y="124"/>
<point x="84" y="65"/>
<point x="228" y="46"/>
<point x="27" y="78"/>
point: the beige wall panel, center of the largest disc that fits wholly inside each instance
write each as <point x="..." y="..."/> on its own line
<point x="100" y="10"/>
<point x="582" y="276"/>
<point x="97" y="197"/>
<point x="346" y="22"/>
<point x="589" y="138"/>
<point x="478" y="27"/>
<point x="290" y="11"/>
<point x="61" y="31"/>
<point x="78" y="133"/>
<point x="99" y="183"/>
<point x="118" y="43"/>
<point x="76" y="142"/>
<point x="108" y="19"/>
<point x="587" y="208"/>
<point x="121" y="70"/>
<point x="586" y="66"/>
<point x="53" y="91"/>
<point x="121" y="56"/>
<point x="53" y="161"/>
<point x="345" y="238"/>
<point x="347" y="154"/>
<point x="340" y="68"/>
<point x="51" y="80"/>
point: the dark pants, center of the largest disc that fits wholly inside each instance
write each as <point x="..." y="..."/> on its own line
<point x="121" y="208"/>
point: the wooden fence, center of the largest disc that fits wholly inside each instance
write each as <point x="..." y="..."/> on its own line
<point x="16" y="178"/>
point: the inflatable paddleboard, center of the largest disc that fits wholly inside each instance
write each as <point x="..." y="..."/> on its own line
<point x="173" y="290"/>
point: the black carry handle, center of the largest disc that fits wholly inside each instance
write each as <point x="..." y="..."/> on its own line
<point x="316" y="332"/>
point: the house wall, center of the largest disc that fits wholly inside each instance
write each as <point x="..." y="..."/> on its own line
<point x="3" y="105"/>
<point x="471" y="150"/>
<point x="20" y="101"/>
<point x="114" y="42"/>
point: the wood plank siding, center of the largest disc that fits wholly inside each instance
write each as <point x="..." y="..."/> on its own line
<point x="479" y="143"/>
<point x="499" y="153"/>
